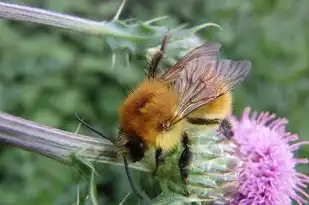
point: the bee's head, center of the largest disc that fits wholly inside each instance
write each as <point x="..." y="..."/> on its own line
<point x="134" y="146"/>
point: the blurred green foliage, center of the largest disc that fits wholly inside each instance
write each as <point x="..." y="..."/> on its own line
<point x="47" y="73"/>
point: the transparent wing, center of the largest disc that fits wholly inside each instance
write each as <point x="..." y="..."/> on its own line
<point x="200" y="77"/>
<point x="207" y="51"/>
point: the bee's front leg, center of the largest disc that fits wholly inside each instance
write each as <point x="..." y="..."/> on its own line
<point x="185" y="160"/>
<point x="159" y="159"/>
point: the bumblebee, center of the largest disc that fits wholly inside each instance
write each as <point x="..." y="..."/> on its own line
<point x="195" y="91"/>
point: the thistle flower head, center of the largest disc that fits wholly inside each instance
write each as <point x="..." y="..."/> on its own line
<point x="267" y="174"/>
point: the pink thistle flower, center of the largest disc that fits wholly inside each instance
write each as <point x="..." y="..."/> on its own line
<point x="267" y="174"/>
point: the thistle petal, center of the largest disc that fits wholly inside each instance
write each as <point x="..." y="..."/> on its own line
<point x="267" y="174"/>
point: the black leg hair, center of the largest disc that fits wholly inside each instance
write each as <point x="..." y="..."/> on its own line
<point x="159" y="159"/>
<point x="155" y="60"/>
<point x="185" y="160"/>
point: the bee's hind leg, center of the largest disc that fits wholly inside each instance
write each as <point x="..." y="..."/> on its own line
<point x="159" y="159"/>
<point x="185" y="160"/>
<point x="155" y="60"/>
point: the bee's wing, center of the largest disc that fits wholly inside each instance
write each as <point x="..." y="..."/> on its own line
<point x="200" y="77"/>
<point x="207" y="51"/>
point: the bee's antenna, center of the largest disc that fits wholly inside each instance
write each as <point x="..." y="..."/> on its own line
<point x="92" y="129"/>
<point x="112" y="141"/>
<point x="130" y="177"/>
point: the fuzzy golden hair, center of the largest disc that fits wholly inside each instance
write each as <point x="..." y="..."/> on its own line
<point x="220" y="108"/>
<point x="147" y="109"/>
<point x="197" y="86"/>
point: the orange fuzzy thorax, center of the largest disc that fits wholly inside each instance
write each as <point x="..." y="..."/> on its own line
<point x="147" y="109"/>
<point x="153" y="104"/>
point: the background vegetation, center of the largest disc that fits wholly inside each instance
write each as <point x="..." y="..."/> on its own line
<point x="47" y="73"/>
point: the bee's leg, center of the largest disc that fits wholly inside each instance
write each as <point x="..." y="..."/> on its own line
<point x="226" y="128"/>
<point x="159" y="159"/>
<point x="185" y="159"/>
<point x="155" y="60"/>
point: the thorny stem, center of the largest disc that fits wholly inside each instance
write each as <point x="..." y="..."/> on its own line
<point x="116" y="17"/>
<point x="58" y="144"/>
<point x="51" y="18"/>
